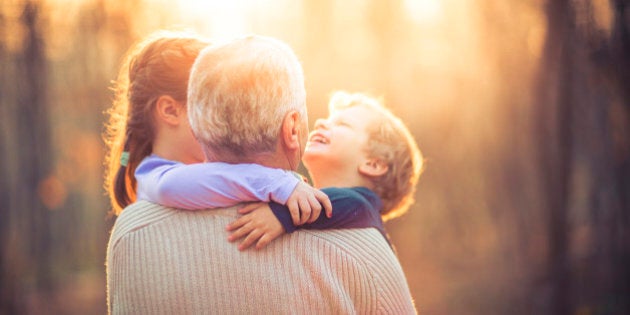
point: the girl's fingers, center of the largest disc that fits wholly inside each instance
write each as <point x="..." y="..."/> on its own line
<point x="316" y="209"/>
<point x="294" y="209"/>
<point x="305" y="211"/>
<point x="325" y="201"/>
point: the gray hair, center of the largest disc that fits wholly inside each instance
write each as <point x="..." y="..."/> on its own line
<point x="239" y="93"/>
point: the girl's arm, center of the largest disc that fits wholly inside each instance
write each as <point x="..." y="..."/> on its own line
<point x="211" y="185"/>
<point x="214" y="185"/>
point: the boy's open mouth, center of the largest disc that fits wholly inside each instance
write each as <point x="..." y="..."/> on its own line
<point x="319" y="138"/>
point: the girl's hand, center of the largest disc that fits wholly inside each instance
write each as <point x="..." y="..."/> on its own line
<point x="305" y="204"/>
<point x="258" y="225"/>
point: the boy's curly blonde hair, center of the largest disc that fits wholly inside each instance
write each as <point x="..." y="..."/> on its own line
<point x="390" y="141"/>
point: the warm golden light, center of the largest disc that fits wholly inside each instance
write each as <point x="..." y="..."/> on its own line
<point x="222" y="19"/>
<point x="424" y="10"/>
<point x="226" y="19"/>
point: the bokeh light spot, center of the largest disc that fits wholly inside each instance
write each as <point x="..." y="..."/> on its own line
<point x="52" y="192"/>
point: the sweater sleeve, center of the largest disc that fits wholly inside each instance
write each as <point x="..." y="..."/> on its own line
<point x="211" y="185"/>
<point x="350" y="210"/>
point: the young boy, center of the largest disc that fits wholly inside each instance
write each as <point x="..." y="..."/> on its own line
<point x="361" y="156"/>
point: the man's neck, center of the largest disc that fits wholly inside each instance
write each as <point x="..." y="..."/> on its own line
<point x="272" y="160"/>
<point x="269" y="159"/>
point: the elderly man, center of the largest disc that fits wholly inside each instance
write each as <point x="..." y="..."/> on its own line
<point x="247" y="105"/>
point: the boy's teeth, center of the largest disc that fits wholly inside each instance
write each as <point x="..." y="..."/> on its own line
<point x="319" y="139"/>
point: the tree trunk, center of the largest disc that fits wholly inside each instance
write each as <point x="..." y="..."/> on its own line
<point x="26" y="161"/>
<point x="555" y="118"/>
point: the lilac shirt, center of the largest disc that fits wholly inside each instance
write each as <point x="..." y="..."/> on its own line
<point x="218" y="184"/>
<point x="210" y="185"/>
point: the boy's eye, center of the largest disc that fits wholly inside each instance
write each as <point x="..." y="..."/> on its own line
<point x="342" y="123"/>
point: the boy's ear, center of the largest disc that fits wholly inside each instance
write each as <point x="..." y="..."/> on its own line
<point x="373" y="167"/>
<point x="168" y="110"/>
<point x="291" y="130"/>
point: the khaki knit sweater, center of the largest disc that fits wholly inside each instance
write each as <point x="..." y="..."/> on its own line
<point x="166" y="261"/>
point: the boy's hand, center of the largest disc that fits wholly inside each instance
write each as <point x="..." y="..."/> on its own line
<point x="305" y="204"/>
<point x="258" y="225"/>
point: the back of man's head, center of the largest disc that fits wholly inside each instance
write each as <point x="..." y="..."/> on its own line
<point x="239" y="93"/>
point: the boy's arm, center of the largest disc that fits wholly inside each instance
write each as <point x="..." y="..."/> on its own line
<point x="261" y="223"/>
<point x="350" y="211"/>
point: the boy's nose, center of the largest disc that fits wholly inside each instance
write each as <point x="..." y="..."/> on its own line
<point x="321" y="124"/>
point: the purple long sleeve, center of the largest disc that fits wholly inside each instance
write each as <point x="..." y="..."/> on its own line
<point x="210" y="185"/>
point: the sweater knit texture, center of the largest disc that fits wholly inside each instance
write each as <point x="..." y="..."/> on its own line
<point x="167" y="261"/>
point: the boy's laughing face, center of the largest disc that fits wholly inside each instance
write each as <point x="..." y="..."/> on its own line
<point x="339" y="141"/>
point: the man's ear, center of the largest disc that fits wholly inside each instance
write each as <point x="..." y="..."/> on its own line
<point x="373" y="167"/>
<point x="291" y="126"/>
<point x="168" y="110"/>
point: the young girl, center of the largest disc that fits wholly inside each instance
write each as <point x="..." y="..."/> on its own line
<point x="362" y="153"/>
<point x="148" y="134"/>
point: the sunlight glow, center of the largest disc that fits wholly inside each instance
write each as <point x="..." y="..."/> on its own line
<point x="226" y="19"/>
<point x="603" y="15"/>
<point x="535" y="40"/>
<point x="222" y="19"/>
<point x="424" y="11"/>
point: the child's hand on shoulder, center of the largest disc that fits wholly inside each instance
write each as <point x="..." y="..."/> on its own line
<point x="258" y="225"/>
<point x="305" y="204"/>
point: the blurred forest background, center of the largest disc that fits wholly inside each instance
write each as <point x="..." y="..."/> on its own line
<point x="522" y="109"/>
